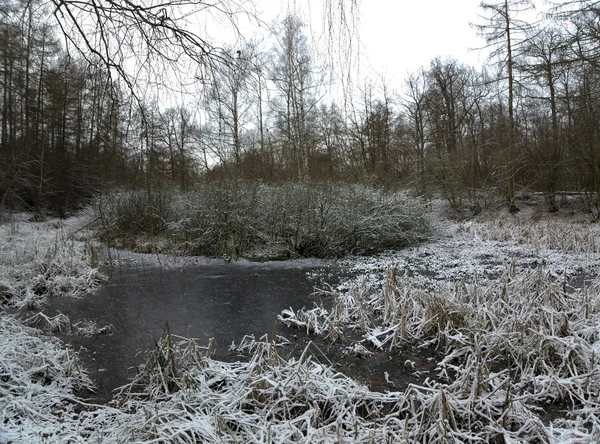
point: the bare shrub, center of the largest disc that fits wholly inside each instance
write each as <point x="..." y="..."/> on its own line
<point x="237" y="218"/>
<point x="126" y="214"/>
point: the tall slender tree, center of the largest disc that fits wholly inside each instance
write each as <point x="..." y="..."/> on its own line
<point x="505" y="33"/>
<point x="546" y="60"/>
<point x="294" y="77"/>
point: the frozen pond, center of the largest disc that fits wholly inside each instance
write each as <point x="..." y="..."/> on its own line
<point x="219" y="300"/>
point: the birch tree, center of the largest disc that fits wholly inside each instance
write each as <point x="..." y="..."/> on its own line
<point x="294" y="78"/>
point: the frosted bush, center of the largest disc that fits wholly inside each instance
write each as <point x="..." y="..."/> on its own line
<point x="267" y="221"/>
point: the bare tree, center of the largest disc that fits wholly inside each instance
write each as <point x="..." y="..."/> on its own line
<point x="505" y="34"/>
<point x="546" y="59"/>
<point x="415" y="98"/>
<point x="376" y="127"/>
<point x="449" y="100"/>
<point x="579" y="19"/>
<point x="176" y="133"/>
<point x="229" y="103"/>
<point x="160" y="37"/>
<point x="294" y="77"/>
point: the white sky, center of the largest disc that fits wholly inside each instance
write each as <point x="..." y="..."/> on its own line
<point x="400" y="36"/>
<point x="397" y="37"/>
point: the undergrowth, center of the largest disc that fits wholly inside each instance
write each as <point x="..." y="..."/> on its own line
<point x="253" y="220"/>
<point x="520" y="348"/>
<point x="54" y="258"/>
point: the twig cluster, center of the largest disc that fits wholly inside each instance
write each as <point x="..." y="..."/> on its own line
<point x="256" y="220"/>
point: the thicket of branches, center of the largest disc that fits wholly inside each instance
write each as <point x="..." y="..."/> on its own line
<point x="249" y="219"/>
<point x="69" y="125"/>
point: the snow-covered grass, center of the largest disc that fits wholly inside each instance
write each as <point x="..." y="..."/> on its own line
<point x="547" y="234"/>
<point x="515" y="309"/>
<point x="38" y="374"/>
<point x="38" y="379"/>
<point x="516" y="317"/>
<point x="189" y="398"/>
<point x="46" y="259"/>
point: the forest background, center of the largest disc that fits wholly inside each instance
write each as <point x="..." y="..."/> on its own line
<point x="79" y="114"/>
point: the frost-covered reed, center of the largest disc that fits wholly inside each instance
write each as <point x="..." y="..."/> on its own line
<point x="45" y="259"/>
<point x="520" y="347"/>
<point x="548" y="234"/>
<point x="515" y="325"/>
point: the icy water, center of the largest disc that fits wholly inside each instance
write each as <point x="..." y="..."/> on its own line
<point x="224" y="301"/>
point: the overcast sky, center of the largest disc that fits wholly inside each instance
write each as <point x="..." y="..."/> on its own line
<point x="397" y="37"/>
<point x="400" y="36"/>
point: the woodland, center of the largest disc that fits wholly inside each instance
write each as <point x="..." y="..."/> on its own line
<point x="74" y="121"/>
<point x="132" y="139"/>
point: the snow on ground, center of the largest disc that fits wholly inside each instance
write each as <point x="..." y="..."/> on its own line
<point x="46" y="259"/>
<point x="38" y="374"/>
<point x="480" y="251"/>
<point x="513" y="303"/>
